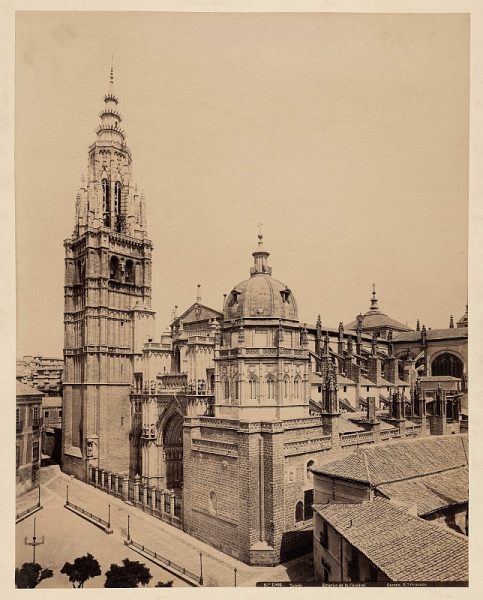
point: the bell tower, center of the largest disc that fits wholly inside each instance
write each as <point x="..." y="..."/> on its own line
<point x="107" y="303"/>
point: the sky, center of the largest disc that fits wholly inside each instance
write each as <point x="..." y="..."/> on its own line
<point x="346" y="135"/>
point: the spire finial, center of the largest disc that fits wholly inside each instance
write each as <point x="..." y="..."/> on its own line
<point x="374" y="305"/>
<point x="260" y="255"/>
<point x="111" y="77"/>
<point x="198" y="294"/>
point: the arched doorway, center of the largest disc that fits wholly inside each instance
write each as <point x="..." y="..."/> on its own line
<point x="447" y="364"/>
<point x="173" y="451"/>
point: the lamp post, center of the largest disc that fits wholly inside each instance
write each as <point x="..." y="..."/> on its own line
<point x="201" y="568"/>
<point x="39" y="494"/>
<point x="34" y="543"/>
<point x="235" y="575"/>
<point x="109" y="515"/>
<point x="128" y="533"/>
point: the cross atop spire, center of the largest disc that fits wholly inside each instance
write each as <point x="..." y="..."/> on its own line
<point x="260" y="255"/>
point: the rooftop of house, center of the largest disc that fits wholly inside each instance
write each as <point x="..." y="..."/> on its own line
<point x="407" y="459"/>
<point x="432" y="492"/>
<point x="403" y="546"/>
<point x="26" y="390"/>
<point x="52" y="402"/>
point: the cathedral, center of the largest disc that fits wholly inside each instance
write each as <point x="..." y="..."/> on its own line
<point x="215" y="425"/>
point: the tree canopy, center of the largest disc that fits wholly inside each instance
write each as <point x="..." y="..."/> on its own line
<point x="30" y="575"/>
<point x="129" y="575"/>
<point x="83" y="568"/>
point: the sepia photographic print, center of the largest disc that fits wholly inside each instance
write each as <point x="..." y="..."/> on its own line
<point x="242" y="309"/>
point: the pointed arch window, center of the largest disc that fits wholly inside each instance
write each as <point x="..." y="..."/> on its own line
<point x="129" y="272"/>
<point x="285" y="387"/>
<point x="235" y="389"/>
<point x="296" y="388"/>
<point x="299" y="512"/>
<point x="106" y="202"/>
<point x="270" y="388"/>
<point x="227" y="389"/>
<point x="117" y="205"/>
<point x="252" y="386"/>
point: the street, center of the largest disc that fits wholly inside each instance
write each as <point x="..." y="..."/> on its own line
<point x="68" y="536"/>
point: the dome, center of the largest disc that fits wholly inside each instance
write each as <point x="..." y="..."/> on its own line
<point x="375" y="319"/>
<point x="261" y="295"/>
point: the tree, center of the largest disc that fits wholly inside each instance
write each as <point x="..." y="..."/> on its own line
<point x="30" y="575"/>
<point x="84" y="568"/>
<point x="129" y="575"/>
<point x="167" y="584"/>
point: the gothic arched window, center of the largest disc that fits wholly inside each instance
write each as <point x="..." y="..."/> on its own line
<point x="447" y="364"/>
<point x="252" y="386"/>
<point x="114" y="267"/>
<point x="106" y="202"/>
<point x="270" y="388"/>
<point x="117" y="205"/>
<point x="285" y="387"/>
<point x="235" y="389"/>
<point x="227" y="389"/>
<point x="296" y="387"/>
<point x="213" y="503"/>
<point x="299" y="512"/>
<point x="309" y="474"/>
<point x="129" y="272"/>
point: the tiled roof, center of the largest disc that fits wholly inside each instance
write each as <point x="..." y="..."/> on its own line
<point x="404" y="547"/>
<point x="431" y="334"/>
<point x="346" y="425"/>
<point x="51" y="402"/>
<point x="26" y="390"/>
<point x="432" y="492"/>
<point x="376" y="319"/>
<point x="395" y="462"/>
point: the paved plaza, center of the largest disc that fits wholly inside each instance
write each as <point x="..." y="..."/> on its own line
<point x="68" y="536"/>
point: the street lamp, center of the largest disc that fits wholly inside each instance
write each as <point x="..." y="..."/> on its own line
<point x="34" y="543"/>
<point x="201" y="568"/>
<point x="128" y="534"/>
<point x="235" y="575"/>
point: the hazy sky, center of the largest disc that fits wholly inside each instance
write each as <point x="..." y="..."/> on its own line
<point x="346" y="135"/>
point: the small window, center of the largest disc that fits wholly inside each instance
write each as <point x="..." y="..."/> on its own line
<point x="35" y="452"/>
<point x="345" y="389"/>
<point x="252" y="386"/>
<point x="309" y="474"/>
<point x="324" y="535"/>
<point x="114" y="267"/>
<point x="47" y="414"/>
<point x="367" y="388"/>
<point x="299" y="512"/>
<point x="308" y="501"/>
<point x="213" y="503"/>
<point x="320" y="389"/>
<point x="270" y="388"/>
<point x="129" y="272"/>
<point x="60" y="412"/>
<point x="227" y="389"/>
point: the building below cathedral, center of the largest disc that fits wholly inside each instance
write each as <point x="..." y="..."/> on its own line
<point x="216" y="425"/>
